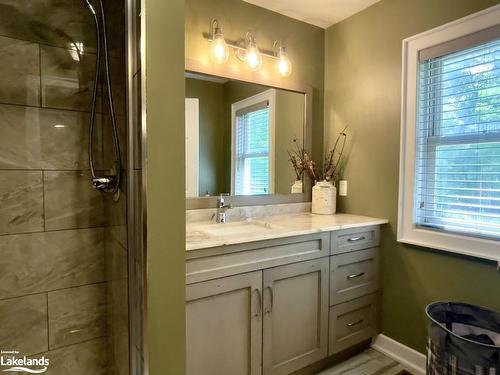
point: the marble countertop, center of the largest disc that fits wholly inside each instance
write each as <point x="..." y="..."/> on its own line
<point x="202" y="235"/>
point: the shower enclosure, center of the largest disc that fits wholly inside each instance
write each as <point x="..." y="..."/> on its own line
<point x="71" y="255"/>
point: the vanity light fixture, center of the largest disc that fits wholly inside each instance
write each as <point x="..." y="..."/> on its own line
<point x="220" y="49"/>
<point x="284" y="65"/>
<point x="247" y="50"/>
<point x="251" y="55"/>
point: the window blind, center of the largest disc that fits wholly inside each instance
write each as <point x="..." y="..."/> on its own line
<point x="458" y="142"/>
<point x="252" y="145"/>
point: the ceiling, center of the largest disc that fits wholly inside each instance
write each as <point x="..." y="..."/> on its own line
<point x="322" y="13"/>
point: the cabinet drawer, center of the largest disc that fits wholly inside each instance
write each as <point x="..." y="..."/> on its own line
<point x="353" y="322"/>
<point x="207" y="264"/>
<point x="355" y="239"/>
<point x="353" y="275"/>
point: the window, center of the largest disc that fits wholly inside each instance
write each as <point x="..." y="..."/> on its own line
<point x="458" y="141"/>
<point x="450" y="160"/>
<point x="252" y="145"/>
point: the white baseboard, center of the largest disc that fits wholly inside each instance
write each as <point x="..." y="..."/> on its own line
<point x="411" y="359"/>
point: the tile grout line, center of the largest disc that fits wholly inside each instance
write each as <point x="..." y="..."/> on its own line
<point x="49" y="231"/>
<point x="57" y="290"/>
<point x="50" y="108"/>
<point x="41" y="43"/>
<point x="68" y="345"/>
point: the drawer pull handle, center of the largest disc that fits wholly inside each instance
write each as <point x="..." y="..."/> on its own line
<point x="355" y="323"/>
<point x="355" y="275"/>
<point x="355" y="239"/>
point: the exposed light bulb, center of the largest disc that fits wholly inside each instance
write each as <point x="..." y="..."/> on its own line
<point x="253" y="57"/>
<point x="220" y="50"/>
<point x="284" y="65"/>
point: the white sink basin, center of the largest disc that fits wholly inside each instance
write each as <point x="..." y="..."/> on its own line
<point x="237" y="228"/>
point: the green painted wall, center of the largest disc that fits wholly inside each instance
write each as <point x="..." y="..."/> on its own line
<point x="212" y="127"/>
<point x="363" y="89"/>
<point x="165" y="333"/>
<point x="305" y="45"/>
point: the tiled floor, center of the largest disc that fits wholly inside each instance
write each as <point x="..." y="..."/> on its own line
<point x="370" y="362"/>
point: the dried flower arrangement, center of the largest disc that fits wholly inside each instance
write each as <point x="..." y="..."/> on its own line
<point x="302" y="162"/>
<point x="297" y="160"/>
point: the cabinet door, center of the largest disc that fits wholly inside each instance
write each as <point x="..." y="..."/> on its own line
<point x="295" y="316"/>
<point x="224" y="326"/>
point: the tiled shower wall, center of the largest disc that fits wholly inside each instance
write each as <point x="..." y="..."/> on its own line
<point x="63" y="247"/>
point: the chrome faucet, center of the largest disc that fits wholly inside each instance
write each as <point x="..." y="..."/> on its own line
<point x="220" y="216"/>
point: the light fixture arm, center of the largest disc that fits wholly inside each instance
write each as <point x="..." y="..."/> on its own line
<point x="249" y="38"/>
<point x="246" y="50"/>
<point x="236" y="45"/>
<point x="214" y="27"/>
<point x="276" y="47"/>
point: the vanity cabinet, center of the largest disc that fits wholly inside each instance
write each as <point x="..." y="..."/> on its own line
<point x="224" y="326"/>
<point x="281" y="312"/>
<point x="295" y="323"/>
<point x="273" y="307"/>
<point x="354" y="285"/>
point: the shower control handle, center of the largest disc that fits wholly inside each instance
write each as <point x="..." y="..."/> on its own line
<point x="105" y="183"/>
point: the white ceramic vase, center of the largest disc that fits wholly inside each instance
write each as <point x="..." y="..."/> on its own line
<point x="324" y="198"/>
<point x="297" y="187"/>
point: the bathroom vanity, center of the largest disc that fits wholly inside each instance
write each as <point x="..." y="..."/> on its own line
<point x="272" y="295"/>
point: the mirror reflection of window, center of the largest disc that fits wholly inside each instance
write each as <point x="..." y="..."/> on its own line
<point x="253" y="143"/>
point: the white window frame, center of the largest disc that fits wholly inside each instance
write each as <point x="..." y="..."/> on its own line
<point x="408" y="232"/>
<point x="270" y="96"/>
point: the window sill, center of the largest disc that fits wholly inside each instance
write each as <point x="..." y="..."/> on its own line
<point x="453" y="243"/>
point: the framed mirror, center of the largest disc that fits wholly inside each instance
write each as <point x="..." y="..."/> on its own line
<point x="238" y="135"/>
